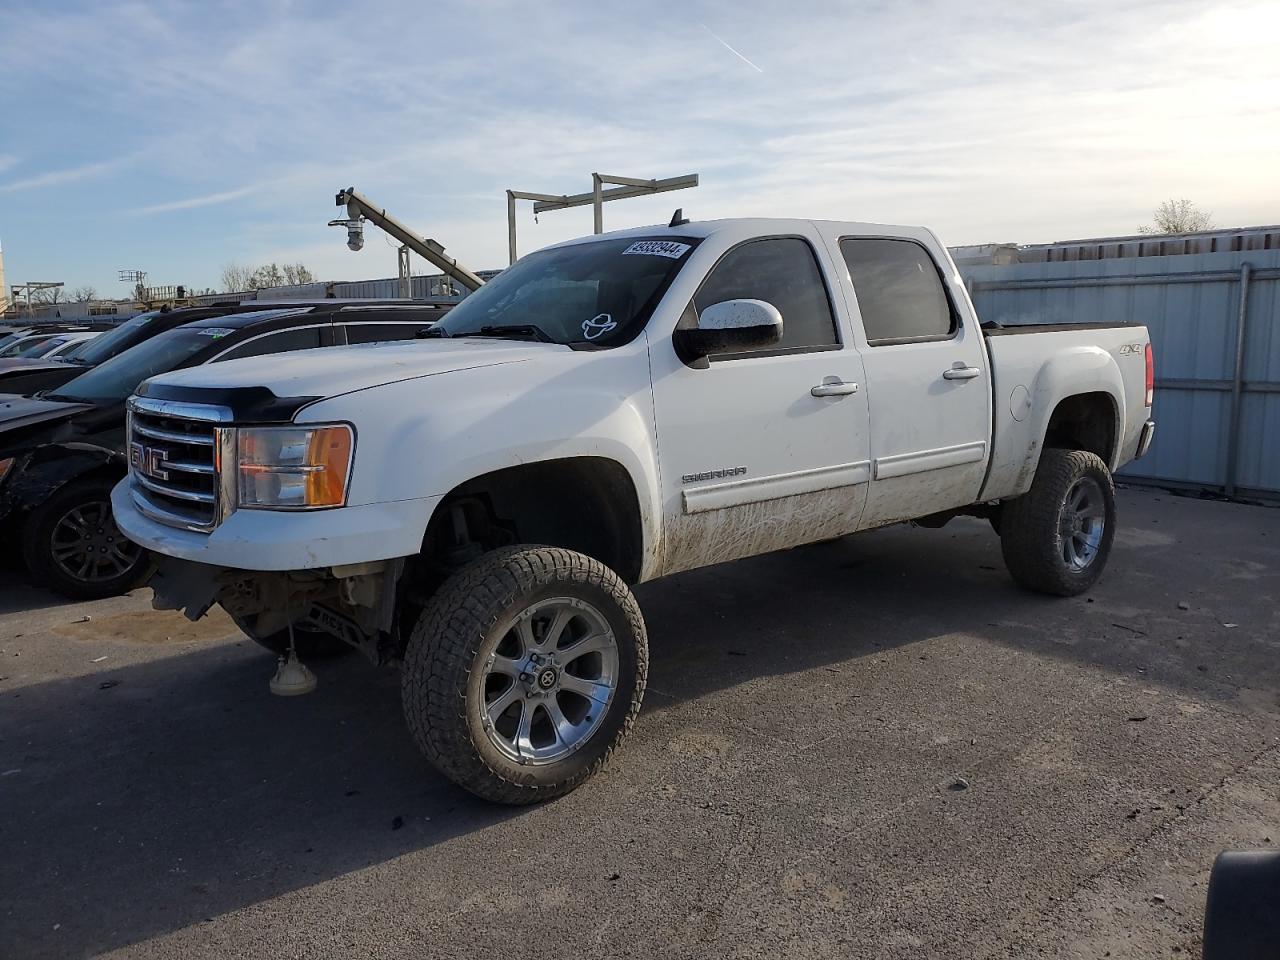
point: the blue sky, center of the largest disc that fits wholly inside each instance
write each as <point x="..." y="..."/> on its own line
<point x="178" y="137"/>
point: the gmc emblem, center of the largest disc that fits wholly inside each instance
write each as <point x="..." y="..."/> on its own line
<point x="148" y="461"/>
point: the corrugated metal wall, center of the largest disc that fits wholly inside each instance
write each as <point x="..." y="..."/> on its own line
<point x="1191" y="305"/>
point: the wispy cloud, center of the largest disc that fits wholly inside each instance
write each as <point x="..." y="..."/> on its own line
<point x="208" y="200"/>
<point x="1053" y="120"/>
<point x="725" y="44"/>
<point x="7" y="160"/>
<point x="57" y="177"/>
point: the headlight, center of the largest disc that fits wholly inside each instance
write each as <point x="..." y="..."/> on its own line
<point x="296" y="468"/>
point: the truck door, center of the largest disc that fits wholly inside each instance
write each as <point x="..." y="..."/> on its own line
<point x="928" y="381"/>
<point x="764" y="449"/>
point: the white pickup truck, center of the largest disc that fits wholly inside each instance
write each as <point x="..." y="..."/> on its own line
<point x="474" y="506"/>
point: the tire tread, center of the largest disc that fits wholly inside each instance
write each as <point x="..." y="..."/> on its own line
<point x="1028" y="524"/>
<point x="445" y="641"/>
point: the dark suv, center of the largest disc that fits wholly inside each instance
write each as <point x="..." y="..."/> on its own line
<point x="62" y="451"/>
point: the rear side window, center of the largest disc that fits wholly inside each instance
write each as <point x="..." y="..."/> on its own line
<point x="784" y="272"/>
<point x="301" y="339"/>
<point x="377" y="332"/>
<point x="900" y="294"/>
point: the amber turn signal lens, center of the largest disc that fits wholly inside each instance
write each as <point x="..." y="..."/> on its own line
<point x="330" y="451"/>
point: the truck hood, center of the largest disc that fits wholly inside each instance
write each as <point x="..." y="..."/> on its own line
<point x="332" y="371"/>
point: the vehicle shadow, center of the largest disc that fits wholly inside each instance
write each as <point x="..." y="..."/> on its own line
<point x="146" y="799"/>
<point x="19" y="595"/>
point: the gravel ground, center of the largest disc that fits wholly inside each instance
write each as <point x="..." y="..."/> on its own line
<point x="875" y="747"/>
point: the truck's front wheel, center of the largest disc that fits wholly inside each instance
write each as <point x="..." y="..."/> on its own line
<point x="525" y="672"/>
<point x="1056" y="537"/>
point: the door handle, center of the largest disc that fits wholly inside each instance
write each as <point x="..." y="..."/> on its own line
<point x="961" y="373"/>
<point x="834" y="388"/>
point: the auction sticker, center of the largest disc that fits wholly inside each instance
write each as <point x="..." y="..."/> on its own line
<point x="659" y="248"/>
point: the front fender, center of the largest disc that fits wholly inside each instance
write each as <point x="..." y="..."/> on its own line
<point x="39" y="474"/>
<point x="423" y="438"/>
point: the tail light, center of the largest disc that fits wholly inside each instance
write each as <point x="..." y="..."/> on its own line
<point x="1151" y="375"/>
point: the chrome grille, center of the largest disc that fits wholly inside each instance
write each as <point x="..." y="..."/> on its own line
<point x="174" y="451"/>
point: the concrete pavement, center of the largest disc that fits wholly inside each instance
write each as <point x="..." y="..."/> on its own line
<point x="872" y="747"/>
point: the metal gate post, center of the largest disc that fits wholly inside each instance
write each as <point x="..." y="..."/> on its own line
<point x="1237" y="385"/>
<point x="511" y="227"/>
<point x="597" y="201"/>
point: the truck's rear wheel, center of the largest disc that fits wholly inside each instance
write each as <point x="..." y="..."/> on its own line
<point x="1056" y="537"/>
<point x="525" y="672"/>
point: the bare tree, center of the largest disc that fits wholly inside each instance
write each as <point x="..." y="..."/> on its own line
<point x="84" y="294"/>
<point x="268" y="275"/>
<point x="236" y="278"/>
<point x="50" y="295"/>
<point x="296" y="273"/>
<point x="1179" y="216"/>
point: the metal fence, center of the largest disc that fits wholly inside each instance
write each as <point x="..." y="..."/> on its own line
<point x="1214" y="319"/>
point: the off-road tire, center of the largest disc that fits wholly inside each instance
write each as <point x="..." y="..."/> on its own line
<point x="1030" y="534"/>
<point x="442" y="673"/>
<point x="37" y="544"/>
<point x="310" y="644"/>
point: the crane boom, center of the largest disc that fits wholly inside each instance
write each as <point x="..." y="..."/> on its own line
<point x="359" y="206"/>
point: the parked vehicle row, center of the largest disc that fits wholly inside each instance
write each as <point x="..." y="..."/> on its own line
<point x="63" y="449"/>
<point x="475" y="507"/>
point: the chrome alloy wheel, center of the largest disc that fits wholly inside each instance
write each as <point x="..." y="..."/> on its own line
<point x="87" y="545"/>
<point x="548" y="678"/>
<point x="1082" y="523"/>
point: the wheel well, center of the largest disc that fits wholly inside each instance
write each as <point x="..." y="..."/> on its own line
<point x="587" y="504"/>
<point x="1086" y="421"/>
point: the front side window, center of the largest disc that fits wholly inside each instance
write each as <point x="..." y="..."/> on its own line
<point x="781" y="271"/>
<point x="900" y="294"/>
<point x="284" y="340"/>
<point x="379" y="332"/>
<point x="600" y="293"/>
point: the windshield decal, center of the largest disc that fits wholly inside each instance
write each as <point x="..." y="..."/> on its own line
<point x="598" y="326"/>
<point x="659" y="248"/>
<point x="215" y="332"/>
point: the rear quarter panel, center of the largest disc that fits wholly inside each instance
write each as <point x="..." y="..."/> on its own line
<point x="1033" y="371"/>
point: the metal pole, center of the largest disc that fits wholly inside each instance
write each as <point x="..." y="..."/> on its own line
<point x="511" y="227"/>
<point x="429" y="250"/>
<point x="1237" y="385"/>
<point x="597" y="202"/>
<point x="406" y="278"/>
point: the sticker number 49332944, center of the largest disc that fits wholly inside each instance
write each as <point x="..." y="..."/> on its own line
<point x="658" y="248"/>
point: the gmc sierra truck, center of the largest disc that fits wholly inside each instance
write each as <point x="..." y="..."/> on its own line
<point x="474" y="506"/>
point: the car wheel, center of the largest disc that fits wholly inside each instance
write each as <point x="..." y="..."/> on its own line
<point x="1057" y="536"/>
<point x="72" y="544"/>
<point x="525" y="672"/>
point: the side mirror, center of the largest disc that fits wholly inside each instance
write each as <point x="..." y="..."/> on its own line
<point x="730" y="326"/>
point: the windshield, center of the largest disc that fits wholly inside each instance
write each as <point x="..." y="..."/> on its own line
<point x="25" y="347"/>
<point x="50" y="346"/>
<point x="599" y="293"/>
<point x="75" y="349"/>
<point x="116" y="340"/>
<point x="9" y="338"/>
<point x="114" y="379"/>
